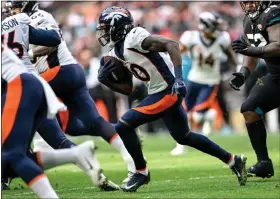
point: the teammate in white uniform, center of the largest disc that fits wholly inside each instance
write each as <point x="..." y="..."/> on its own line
<point x="207" y="47"/>
<point x="154" y="60"/>
<point x="67" y="79"/>
<point x="25" y="99"/>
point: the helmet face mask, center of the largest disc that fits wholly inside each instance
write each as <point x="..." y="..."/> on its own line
<point x="113" y="25"/>
<point x="253" y="9"/>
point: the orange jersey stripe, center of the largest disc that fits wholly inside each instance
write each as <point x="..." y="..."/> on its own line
<point x="14" y="93"/>
<point x="38" y="177"/>
<point x="158" y="107"/>
<point x="63" y="117"/>
<point x="113" y="137"/>
<point x="50" y="74"/>
<point x="208" y="102"/>
<point x="38" y="157"/>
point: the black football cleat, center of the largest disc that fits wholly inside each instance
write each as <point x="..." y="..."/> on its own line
<point x="239" y="168"/>
<point x="136" y="181"/>
<point x="5" y="184"/>
<point x="263" y="169"/>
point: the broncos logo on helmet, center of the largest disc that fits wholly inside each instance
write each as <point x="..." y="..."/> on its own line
<point x="27" y="6"/>
<point x="113" y="25"/>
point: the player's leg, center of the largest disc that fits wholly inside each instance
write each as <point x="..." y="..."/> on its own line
<point x="175" y="120"/>
<point x="150" y="109"/>
<point x="263" y="97"/>
<point x="190" y="99"/>
<point x="21" y="114"/>
<point x="205" y="98"/>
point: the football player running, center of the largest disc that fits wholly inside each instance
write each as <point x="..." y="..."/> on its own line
<point x="156" y="61"/>
<point x="18" y="33"/>
<point x="261" y="40"/>
<point x="67" y="79"/>
<point x="207" y="47"/>
<point x="27" y="100"/>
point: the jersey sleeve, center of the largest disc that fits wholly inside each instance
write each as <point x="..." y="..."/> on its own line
<point x="272" y="15"/>
<point x="186" y="39"/>
<point x="23" y="19"/>
<point x="225" y="40"/>
<point x="44" y="20"/>
<point x="136" y="37"/>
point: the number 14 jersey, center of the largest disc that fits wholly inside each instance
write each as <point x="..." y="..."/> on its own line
<point x="206" y="56"/>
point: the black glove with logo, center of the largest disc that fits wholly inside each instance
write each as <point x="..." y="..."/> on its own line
<point x="239" y="78"/>
<point x="242" y="46"/>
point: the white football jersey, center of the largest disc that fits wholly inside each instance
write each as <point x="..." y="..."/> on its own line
<point x="15" y="34"/>
<point x="62" y="56"/>
<point x="206" y="56"/>
<point x="12" y="66"/>
<point x="155" y="69"/>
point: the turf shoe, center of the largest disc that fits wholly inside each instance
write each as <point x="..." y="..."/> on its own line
<point x="263" y="169"/>
<point x="136" y="181"/>
<point x="87" y="161"/>
<point x="239" y="168"/>
<point x="107" y="185"/>
<point x="5" y="183"/>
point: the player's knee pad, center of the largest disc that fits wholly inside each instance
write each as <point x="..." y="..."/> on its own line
<point x="210" y="115"/>
<point x="197" y="117"/>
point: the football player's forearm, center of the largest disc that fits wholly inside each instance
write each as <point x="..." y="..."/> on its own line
<point x="119" y="88"/>
<point x="173" y="50"/>
<point x="250" y="62"/>
<point x="271" y="50"/>
<point x="40" y="51"/>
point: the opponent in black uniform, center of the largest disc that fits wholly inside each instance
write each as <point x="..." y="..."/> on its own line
<point x="261" y="40"/>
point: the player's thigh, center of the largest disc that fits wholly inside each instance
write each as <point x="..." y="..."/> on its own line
<point x="176" y="122"/>
<point x="193" y="91"/>
<point x="263" y="97"/>
<point x="150" y="109"/>
<point x="206" y="97"/>
<point x="24" y="109"/>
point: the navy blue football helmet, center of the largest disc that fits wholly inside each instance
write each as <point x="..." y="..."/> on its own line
<point x="113" y="25"/>
<point x="27" y="6"/>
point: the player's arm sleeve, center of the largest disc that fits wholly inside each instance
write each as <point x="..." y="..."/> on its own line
<point x="225" y="40"/>
<point x="43" y="37"/>
<point x="273" y="16"/>
<point x="137" y="36"/>
<point x="186" y="39"/>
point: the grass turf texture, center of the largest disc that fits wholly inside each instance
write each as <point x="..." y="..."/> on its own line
<point x="192" y="175"/>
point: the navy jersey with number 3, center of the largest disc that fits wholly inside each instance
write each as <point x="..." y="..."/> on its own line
<point x="256" y="32"/>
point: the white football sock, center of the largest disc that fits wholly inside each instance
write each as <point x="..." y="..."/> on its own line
<point x="117" y="143"/>
<point x="143" y="171"/>
<point x="41" y="186"/>
<point x="50" y="159"/>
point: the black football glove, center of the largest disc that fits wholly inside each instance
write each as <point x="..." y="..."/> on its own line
<point x="242" y="46"/>
<point x="239" y="78"/>
<point x="179" y="87"/>
<point x="105" y="70"/>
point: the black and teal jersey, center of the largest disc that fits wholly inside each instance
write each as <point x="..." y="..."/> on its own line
<point x="256" y="32"/>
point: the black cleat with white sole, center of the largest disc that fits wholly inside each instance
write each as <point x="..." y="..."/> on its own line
<point x="263" y="169"/>
<point x="136" y="181"/>
<point x="239" y="168"/>
<point x="5" y="183"/>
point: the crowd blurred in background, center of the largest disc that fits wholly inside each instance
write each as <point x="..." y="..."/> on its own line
<point x="79" y="19"/>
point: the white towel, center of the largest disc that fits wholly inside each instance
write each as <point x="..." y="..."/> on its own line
<point x="54" y="105"/>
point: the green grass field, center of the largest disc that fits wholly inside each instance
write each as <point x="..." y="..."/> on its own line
<point x="192" y="175"/>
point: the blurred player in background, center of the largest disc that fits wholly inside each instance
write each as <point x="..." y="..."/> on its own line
<point x="156" y="61"/>
<point x="207" y="47"/>
<point x="67" y="79"/>
<point x="27" y="100"/>
<point x="261" y="40"/>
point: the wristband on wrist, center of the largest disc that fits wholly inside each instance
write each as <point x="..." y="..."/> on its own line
<point x="178" y="72"/>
